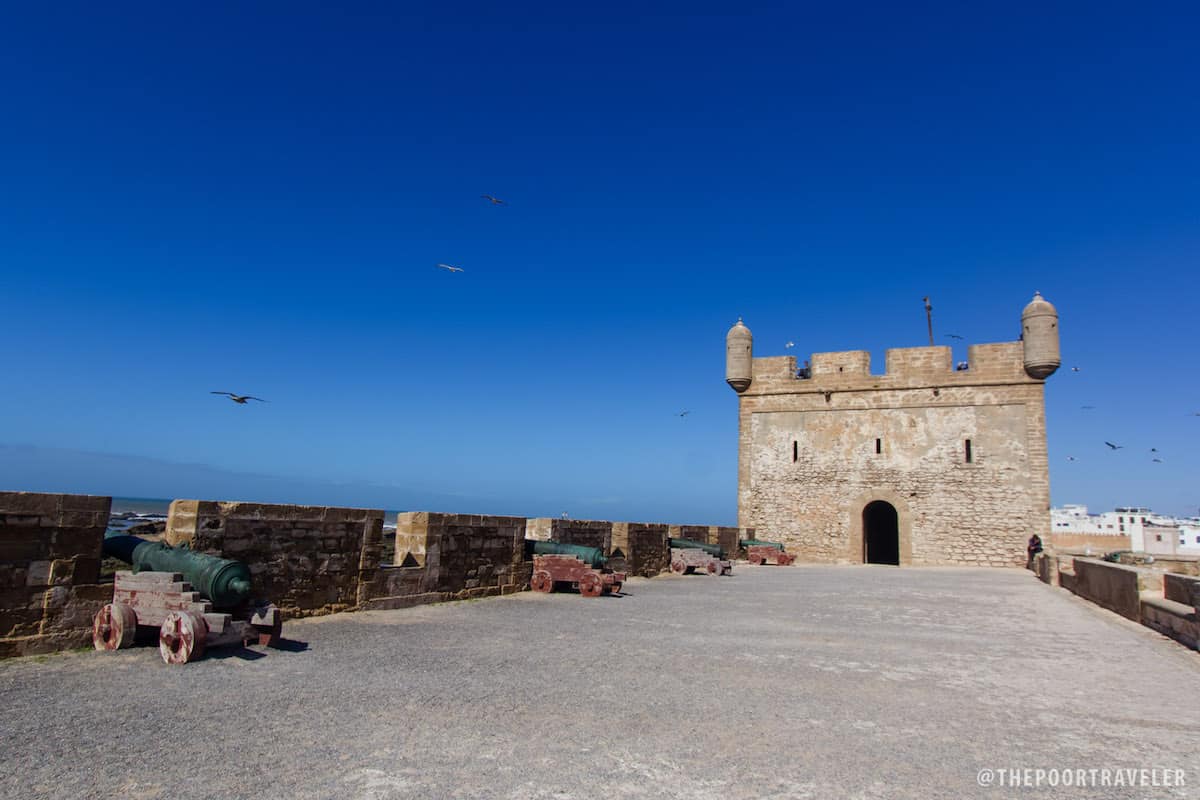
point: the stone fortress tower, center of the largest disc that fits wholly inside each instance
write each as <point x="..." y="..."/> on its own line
<point x="924" y="464"/>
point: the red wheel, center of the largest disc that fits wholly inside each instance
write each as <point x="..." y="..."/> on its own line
<point x="182" y="636"/>
<point x="678" y="567"/>
<point x="114" y="627"/>
<point x="542" y="582"/>
<point x="615" y="588"/>
<point x="590" y="585"/>
<point x="761" y="561"/>
<point x="713" y="568"/>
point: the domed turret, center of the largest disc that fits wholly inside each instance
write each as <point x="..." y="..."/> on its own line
<point x="1039" y="332"/>
<point x="739" y="347"/>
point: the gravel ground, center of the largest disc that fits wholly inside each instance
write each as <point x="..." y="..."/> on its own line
<point x="796" y="682"/>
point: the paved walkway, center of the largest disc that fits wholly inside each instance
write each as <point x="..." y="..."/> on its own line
<point x="802" y="682"/>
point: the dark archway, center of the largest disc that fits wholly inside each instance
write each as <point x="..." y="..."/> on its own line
<point x="881" y="533"/>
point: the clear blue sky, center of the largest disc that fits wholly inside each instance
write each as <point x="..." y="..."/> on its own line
<point x="254" y="199"/>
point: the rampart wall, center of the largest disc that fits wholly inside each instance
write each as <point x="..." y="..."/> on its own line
<point x="50" y="570"/>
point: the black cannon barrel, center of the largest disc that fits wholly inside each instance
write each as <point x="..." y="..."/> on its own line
<point x="712" y="549"/>
<point x="223" y="581"/>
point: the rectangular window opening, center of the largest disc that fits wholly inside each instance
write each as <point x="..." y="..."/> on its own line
<point x="967" y="450"/>
<point x="878" y="446"/>
<point x="795" y="451"/>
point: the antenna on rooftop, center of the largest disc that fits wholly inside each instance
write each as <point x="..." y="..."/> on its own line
<point x="929" y="319"/>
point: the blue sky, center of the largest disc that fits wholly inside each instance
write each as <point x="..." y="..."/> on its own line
<point x="254" y="199"/>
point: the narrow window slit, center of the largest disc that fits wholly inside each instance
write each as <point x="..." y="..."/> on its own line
<point x="795" y="451"/>
<point x="878" y="446"/>
<point x="967" y="449"/>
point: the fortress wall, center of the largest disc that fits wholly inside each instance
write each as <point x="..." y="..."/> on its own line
<point x="305" y="559"/>
<point x="589" y="533"/>
<point x="1100" y="544"/>
<point x="807" y="467"/>
<point x="647" y="554"/>
<point x="919" y="362"/>
<point x="845" y="364"/>
<point x="726" y="538"/>
<point x="697" y="533"/>
<point x="464" y="555"/>
<point x="49" y="570"/>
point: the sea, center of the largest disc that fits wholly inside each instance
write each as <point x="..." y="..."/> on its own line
<point x="130" y="511"/>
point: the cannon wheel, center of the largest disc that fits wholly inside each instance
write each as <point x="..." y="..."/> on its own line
<point x="678" y="567"/>
<point x="114" y="627"/>
<point x="269" y="637"/>
<point x="761" y="560"/>
<point x="614" y="588"/>
<point x="182" y="636"/>
<point x="542" y="582"/>
<point x="713" y="568"/>
<point x="590" y="585"/>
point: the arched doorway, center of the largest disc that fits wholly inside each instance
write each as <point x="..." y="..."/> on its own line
<point x="881" y="533"/>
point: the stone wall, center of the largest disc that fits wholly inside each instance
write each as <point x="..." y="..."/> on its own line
<point x="49" y="570"/>
<point x="1114" y="586"/>
<point x="1098" y="543"/>
<point x="464" y="555"/>
<point x="644" y="547"/>
<point x="585" y="532"/>
<point x="305" y="559"/>
<point x="813" y="452"/>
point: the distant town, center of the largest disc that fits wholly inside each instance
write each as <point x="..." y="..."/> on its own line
<point x="1146" y="531"/>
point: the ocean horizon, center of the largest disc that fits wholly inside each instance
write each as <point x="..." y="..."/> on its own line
<point x="158" y="506"/>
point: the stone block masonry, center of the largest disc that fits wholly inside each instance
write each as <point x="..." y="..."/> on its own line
<point x="49" y="569"/>
<point x="957" y="457"/>
<point x="463" y="555"/>
<point x="644" y="546"/>
<point x="305" y="559"/>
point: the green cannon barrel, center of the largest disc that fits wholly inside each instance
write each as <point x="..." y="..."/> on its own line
<point x="592" y="556"/>
<point x="712" y="549"/>
<point x="759" y="543"/>
<point x="223" y="581"/>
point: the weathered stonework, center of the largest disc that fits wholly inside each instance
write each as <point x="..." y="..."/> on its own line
<point x="814" y="451"/>
<point x="463" y="555"/>
<point x="644" y="546"/>
<point x="49" y="569"/>
<point x="305" y="559"/>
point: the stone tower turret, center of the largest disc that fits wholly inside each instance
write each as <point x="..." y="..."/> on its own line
<point x="739" y="347"/>
<point x="1039" y="334"/>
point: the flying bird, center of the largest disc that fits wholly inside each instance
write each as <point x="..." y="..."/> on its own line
<point x="683" y="413"/>
<point x="1114" y="446"/>
<point x="1074" y="369"/>
<point x="1153" y="449"/>
<point x="1071" y="458"/>
<point x="240" y="398"/>
<point x="790" y="344"/>
<point x="1088" y="408"/>
<point x="953" y="336"/>
<point x="1156" y="460"/>
<point x="450" y="268"/>
<point x="496" y="201"/>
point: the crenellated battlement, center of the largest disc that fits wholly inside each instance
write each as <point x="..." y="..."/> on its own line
<point x="905" y="367"/>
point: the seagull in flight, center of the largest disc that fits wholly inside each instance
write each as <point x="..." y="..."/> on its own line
<point x="240" y="398"/>
<point x="1156" y="460"/>
<point x="789" y="345"/>
<point x="1114" y="446"/>
<point x="953" y="336"/>
<point x="1088" y="408"/>
<point x="1074" y="369"/>
<point x="683" y="413"/>
<point x="1071" y="458"/>
<point x="450" y="268"/>
<point x="496" y="201"/>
